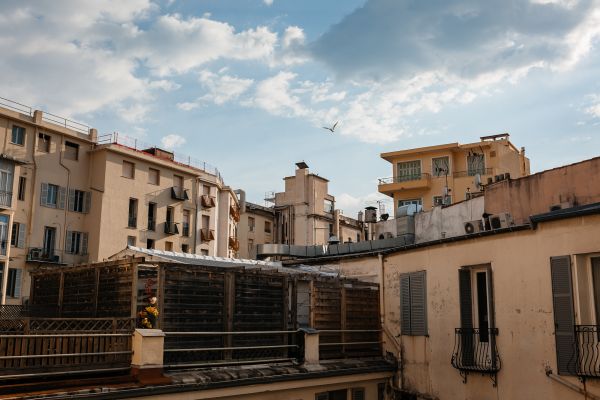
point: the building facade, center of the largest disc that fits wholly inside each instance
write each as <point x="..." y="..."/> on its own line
<point x="448" y="173"/>
<point x="255" y="226"/>
<point x="69" y="196"/>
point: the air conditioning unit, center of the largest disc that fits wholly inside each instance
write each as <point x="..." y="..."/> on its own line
<point x="35" y="254"/>
<point x="473" y="226"/>
<point x="499" y="221"/>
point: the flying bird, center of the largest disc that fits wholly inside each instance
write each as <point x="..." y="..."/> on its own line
<point x="332" y="128"/>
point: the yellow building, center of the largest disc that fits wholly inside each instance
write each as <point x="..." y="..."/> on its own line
<point x="69" y="196"/>
<point x="449" y="173"/>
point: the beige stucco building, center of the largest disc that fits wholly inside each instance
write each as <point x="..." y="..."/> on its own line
<point x="255" y="226"/>
<point x="448" y="173"/>
<point x="70" y="196"/>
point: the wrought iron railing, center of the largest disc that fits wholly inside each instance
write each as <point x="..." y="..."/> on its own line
<point x="151" y="224"/>
<point x="476" y="350"/>
<point x="179" y="193"/>
<point x="587" y="350"/>
<point x="5" y="199"/>
<point x="404" y="178"/>
<point x="171" y="228"/>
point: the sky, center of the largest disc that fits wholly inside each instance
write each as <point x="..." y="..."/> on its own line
<point x="248" y="85"/>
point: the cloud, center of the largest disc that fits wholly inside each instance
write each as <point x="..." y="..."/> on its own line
<point x="268" y="2"/>
<point x="274" y="96"/>
<point x="392" y="38"/>
<point x="351" y="205"/>
<point x="171" y="141"/>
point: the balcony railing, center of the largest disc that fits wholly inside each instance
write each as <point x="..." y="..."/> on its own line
<point x="42" y="254"/>
<point x="473" y="172"/>
<point x="206" y="235"/>
<point x="171" y="228"/>
<point x="132" y="222"/>
<point x="3" y="247"/>
<point x="5" y="199"/>
<point x="587" y="350"/>
<point x="151" y="224"/>
<point x="208" y="201"/>
<point x="475" y="350"/>
<point x="179" y="193"/>
<point x="234" y="244"/>
<point x="404" y="178"/>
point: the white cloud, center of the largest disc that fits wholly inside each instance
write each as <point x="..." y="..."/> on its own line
<point x="351" y="205"/>
<point x="274" y="96"/>
<point x="172" y="141"/>
<point x="222" y="88"/>
<point x="268" y="2"/>
<point x="165" y="85"/>
<point x="187" y="105"/>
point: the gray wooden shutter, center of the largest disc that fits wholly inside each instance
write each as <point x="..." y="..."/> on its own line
<point x="405" y="304"/>
<point x="71" y="204"/>
<point x="18" y="273"/>
<point x="84" y="243"/>
<point x="418" y="303"/>
<point x="21" y="237"/>
<point x="564" y="320"/>
<point x="44" y="194"/>
<point x="60" y="202"/>
<point x="87" y="202"/>
<point x="68" y="241"/>
<point x="466" y="317"/>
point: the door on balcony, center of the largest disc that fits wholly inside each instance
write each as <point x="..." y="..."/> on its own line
<point x="3" y="234"/>
<point x="408" y="171"/>
<point x="49" y="241"/>
<point x="476" y="317"/>
<point x="6" y="183"/>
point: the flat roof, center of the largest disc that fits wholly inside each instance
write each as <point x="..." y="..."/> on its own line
<point x="448" y="146"/>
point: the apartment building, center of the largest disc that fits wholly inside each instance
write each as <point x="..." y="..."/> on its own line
<point x="69" y="196"/>
<point x="449" y="173"/>
<point x="255" y="226"/>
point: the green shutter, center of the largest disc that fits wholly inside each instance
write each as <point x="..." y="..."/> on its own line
<point x="418" y="303"/>
<point x="87" y="202"/>
<point x="84" y="243"/>
<point x="60" y="202"/>
<point x="68" y="241"/>
<point x="44" y="194"/>
<point x="71" y="203"/>
<point x="21" y="236"/>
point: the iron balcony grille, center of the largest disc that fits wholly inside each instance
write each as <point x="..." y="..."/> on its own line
<point x="475" y="350"/>
<point x="171" y="228"/>
<point x="587" y="350"/>
<point x="179" y="193"/>
<point x="404" y="178"/>
<point x="5" y="199"/>
<point x="151" y="224"/>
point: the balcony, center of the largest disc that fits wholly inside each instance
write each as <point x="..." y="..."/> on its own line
<point x="208" y="201"/>
<point x="179" y="193"/>
<point x="206" y="235"/>
<point x="234" y="244"/>
<point x="43" y="255"/>
<point x="151" y="224"/>
<point x="473" y="172"/>
<point x="475" y="351"/>
<point x="171" y="228"/>
<point x="3" y="247"/>
<point x="404" y="182"/>
<point x="587" y="350"/>
<point x="234" y="212"/>
<point x="5" y="199"/>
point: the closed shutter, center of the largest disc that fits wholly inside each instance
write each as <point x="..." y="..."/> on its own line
<point x="87" y="202"/>
<point x="21" y="236"/>
<point x="68" y="241"/>
<point x="84" y="243"/>
<point x="418" y="304"/>
<point x="322" y="396"/>
<point x="18" y="273"/>
<point x="71" y="200"/>
<point x="358" y="394"/>
<point x="44" y="194"/>
<point x="405" y="304"/>
<point x="564" y="321"/>
<point x="466" y="317"/>
<point x="60" y="203"/>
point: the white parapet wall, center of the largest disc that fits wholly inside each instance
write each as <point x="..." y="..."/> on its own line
<point x="444" y="222"/>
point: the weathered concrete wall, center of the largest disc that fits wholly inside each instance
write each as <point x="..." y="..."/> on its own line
<point x="576" y="183"/>
<point x="448" y="221"/>
<point x="522" y="298"/>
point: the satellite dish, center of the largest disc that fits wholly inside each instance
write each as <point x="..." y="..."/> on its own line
<point x="477" y="181"/>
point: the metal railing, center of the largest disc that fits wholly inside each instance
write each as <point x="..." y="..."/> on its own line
<point x="472" y="172"/>
<point x="3" y="247"/>
<point x="404" y="178"/>
<point x="65" y="122"/>
<point x="171" y="228"/>
<point x="179" y="193"/>
<point x="151" y="224"/>
<point x="43" y="254"/>
<point x="349" y="343"/>
<point x="18" y="107"/>
<point x="475" y="350"/>
<point x="198" y="349"/>
<point x="138" y="145"/>
<point x="5" y="199"/>
<point x="587" y="350"/>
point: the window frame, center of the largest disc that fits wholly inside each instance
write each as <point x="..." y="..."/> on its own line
<point x="21" y="130"/>
<point x="132" y="164"/>
<point x="46" y="139"/>
<point x="22" y="188"/>
<point x="413" y="176"/>
<point x="410" y="281"/>
<point x="71" y="147"/>
<point x="151" y="172"/>
<point x="436" y="174"/>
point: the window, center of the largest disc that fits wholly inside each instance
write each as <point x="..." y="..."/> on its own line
<point x="381" y="391"/>
<point x="52" y="196"/>
<point x="49" y="242"/>
<point x="18" y="135"/>
<point x="79" y="201"/>
<point x="131" y="240"/>
<point x="168" y="246"/>
<point x="475" y="164"/>
<point x="128" y="170"/>
<point x="7" y="169"/>
<point x="178" y="181"/>
<point x="43" y="143"/>
<point x="203" y="252"/>
<point x="76" y="243"/>
<point x="357" y="394"/>
<point x="13" y="284"/>
<point x="442" y="200"/>
<point x="332" y="395"/>
<point x="408" y="171"/>
<point x="413" y="304"/>
<point x="71" y="151"/>
<point x="250" y="246"/>
<point x="440" y="166"/>
<point x="417" y="202"/>
<point x="17" y="237"/>
<point x="328" y="206"/>
<point x="251" y="224"/>
<point x="153" y="176"/>
<point x="185" y="248"/>
<point x="267" y="226"/>
<point x="151" y="217"/>
<point x="206" y="190"/>
<point x="132" y="213"/>
<point x="170" y="212"/>
<point x="330" y="230"/>
<point x="149" y="243"/>
<point x="170" y="225"/>
<point x="186" y="223"/>
<point x="205" y="222"/>
<point x="22" y="187"/>
<point x="3" y="233"/>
